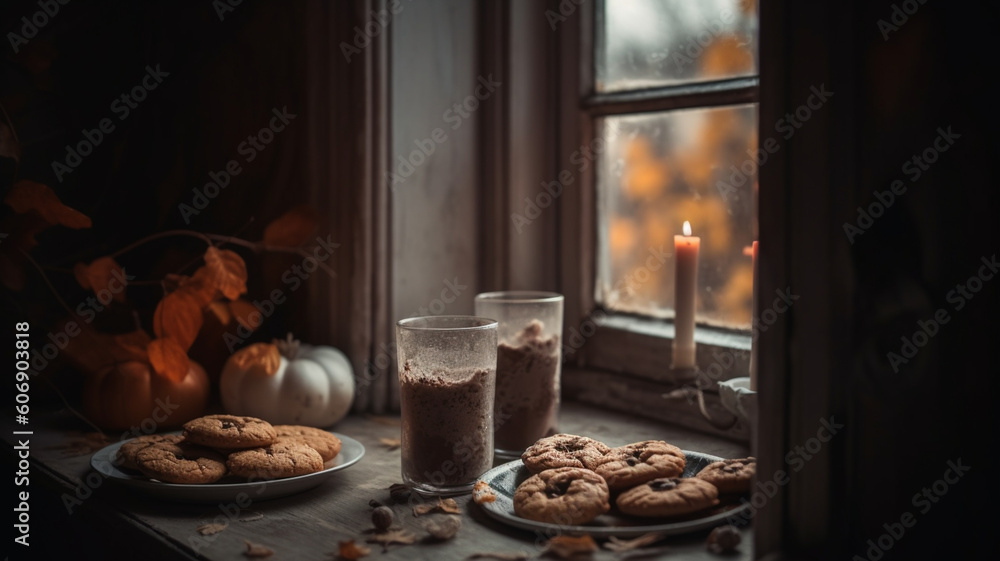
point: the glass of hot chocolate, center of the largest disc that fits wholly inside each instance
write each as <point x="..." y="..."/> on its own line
<point x="447" y="381"/>
<point x="529" y="362"/>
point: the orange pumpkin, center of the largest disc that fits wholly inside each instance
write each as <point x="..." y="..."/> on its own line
<point x="130" y="395"/>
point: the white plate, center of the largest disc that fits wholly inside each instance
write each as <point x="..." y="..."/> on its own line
<point x="103" y="461"/>
<point x="505" y="478"/>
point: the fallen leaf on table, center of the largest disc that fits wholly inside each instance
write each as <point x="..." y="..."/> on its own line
<point x="644" y="553"/>
<point x="515" y="556"/>
<point x="82" y="444"/>
<point x="351" y="550"/>
<point x="566" y="547"/>
<point x="257" y="550"/>
<point x="447" y="506"/>
<point x="210" y="529"/>
<point x="481" y="493"/>
<point x="402" y="537"/>
<point x="618" y="544"/>
<point x="444" y="528"/>
<point x="391" y="443"/>
<point x="252" y="516"/>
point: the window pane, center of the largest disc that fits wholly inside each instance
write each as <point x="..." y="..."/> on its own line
<point x="647" y="43"/>
<point x="657" y="170"/>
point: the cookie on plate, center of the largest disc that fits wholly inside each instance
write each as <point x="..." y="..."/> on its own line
<point x="181" y="462"/>
<point x="563" y="450"/>
<point x="229" y="432"/>
<point x="730" y="476"/>
<point x="565" y="496"/>
<point x="286" y="457"/>
<point x="319" y="440"/>
<point x="632" y="464"/>
<point x="668" y="496"/>
<point x="125" y="457"/>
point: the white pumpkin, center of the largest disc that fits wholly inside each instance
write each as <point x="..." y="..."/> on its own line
<point x="288" y="383"/>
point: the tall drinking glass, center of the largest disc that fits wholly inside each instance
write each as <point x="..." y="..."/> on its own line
<point x="529" y="363"/>
<point x="447" y="380"/>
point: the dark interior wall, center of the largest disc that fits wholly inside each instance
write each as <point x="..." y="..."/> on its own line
<point x="223" y="77"/>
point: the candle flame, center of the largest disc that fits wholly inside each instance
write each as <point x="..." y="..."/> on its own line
<point x="687" y="228"/>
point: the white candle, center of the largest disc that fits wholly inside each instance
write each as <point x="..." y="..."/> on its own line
<point x="753" y="318"/>
<point x="686" y="249"/>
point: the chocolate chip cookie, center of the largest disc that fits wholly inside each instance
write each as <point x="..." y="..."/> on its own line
<point x="632" y="464"/>
<point x="286" y="457"/>
<point x="181" y="462"/>
<point x="730" y="476"/>
<point x="229" y="432"/>
<point x="319" y="440"/>
<point x="125" y="456"/>
<point x="565" y="495"/>
<point x="563" y="450"/>
<point x="668" y="497"/>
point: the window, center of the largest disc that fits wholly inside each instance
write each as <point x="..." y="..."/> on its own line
<point x="668" y="109"/>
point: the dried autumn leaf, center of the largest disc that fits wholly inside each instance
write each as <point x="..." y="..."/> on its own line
<point x="402" y="537"/>
<point x="567" y="547"/>
<point x="130" y="346"/>
<point x="257" y="550"/>
<point x="618" y="544"/>
<point x="210" y="529"/>
<point x="221" y="312"/>
<point x="178" y="316"/>
<point x="481" y="493"/>
<point x="390" y="443"/>
<point x="105" y="277"/>
<point x="260" y="359"/>
<point x="169" y="359"/>
<point x="200" y="286"/>
<point x="227" y="271"/>
<point x="447" y="506"/>
<point x="242" y="311"/>
<point x="351" y="550"/>
<point x="292" y="229"/>
<point x="252" y="517"/>
<point x="27" y="195"/>
<point x="444" y="528"/>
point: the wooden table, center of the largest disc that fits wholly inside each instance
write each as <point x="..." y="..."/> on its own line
<point x="112" y="523"/>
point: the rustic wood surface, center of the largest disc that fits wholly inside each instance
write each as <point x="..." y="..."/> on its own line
<point x="310" y="525"/>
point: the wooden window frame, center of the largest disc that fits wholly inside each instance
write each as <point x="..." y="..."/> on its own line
<point x="629" y="353"/>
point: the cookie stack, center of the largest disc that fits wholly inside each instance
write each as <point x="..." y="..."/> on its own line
<point x="575" y="478"/>
<point x="216" y="446"/>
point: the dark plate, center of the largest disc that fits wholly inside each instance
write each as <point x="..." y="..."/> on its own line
<point x="505" y="478"/>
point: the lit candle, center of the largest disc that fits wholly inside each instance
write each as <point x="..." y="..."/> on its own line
<point x="685" y="295"/>
<point x="753" y="318"/>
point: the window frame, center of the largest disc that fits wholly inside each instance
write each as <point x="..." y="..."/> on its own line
<point x="622" y="343"/>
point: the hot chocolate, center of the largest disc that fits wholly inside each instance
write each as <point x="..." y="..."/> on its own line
<point x="447" y="425"/>
<point x="527" y="395"/>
